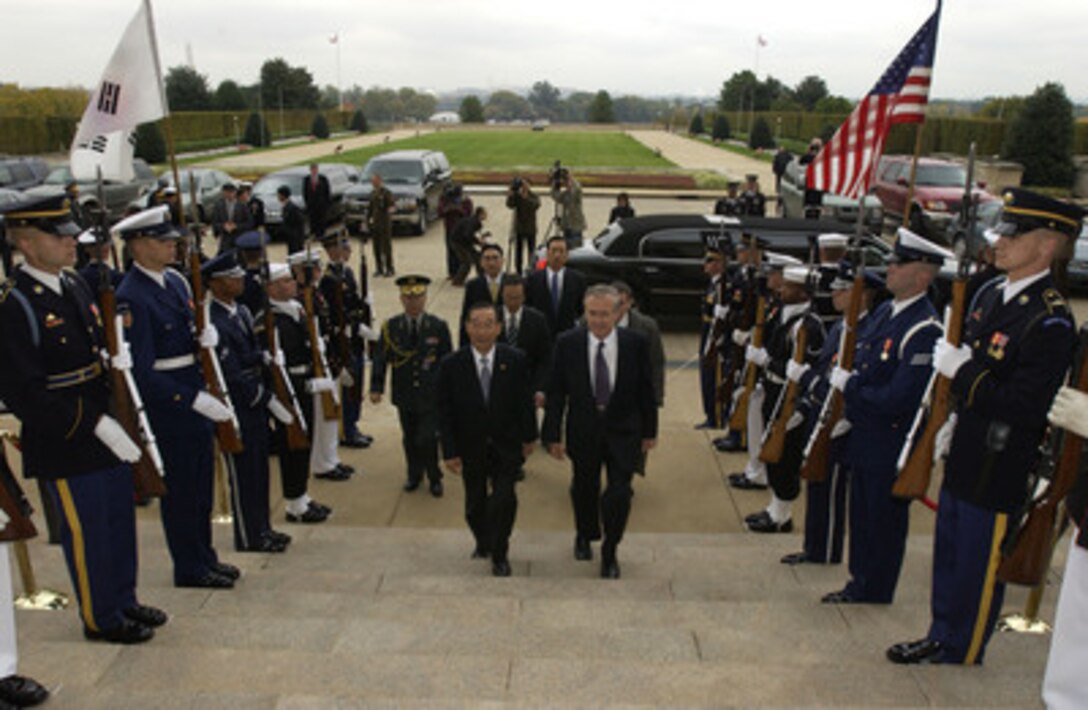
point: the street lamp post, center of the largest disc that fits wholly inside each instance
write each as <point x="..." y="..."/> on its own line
<point x="237" y="138"/>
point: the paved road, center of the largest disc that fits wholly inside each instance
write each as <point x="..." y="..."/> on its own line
<point x="696" y="155"/>
<point x="284" y="157"/>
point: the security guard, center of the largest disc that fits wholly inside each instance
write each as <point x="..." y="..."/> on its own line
<point x="161" y="330"/>
<point x="242" y="361"/>
<point x="825" y="501"/>
<point x="752" y="201"/>
<point x="1018" y="344"/>
<point x="54" y="362"/>
<point x="730" y="205"/>
<point x="715" y="262"/>
<point x="882" y="395"/>
<point x="412" y="344"/>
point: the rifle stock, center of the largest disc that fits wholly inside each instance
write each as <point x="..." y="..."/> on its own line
<point x="281" y="384"/>
<point x="739" y="420"/>
<point x="14" y="504"/>
<point x="1029" y="559"/>
<point x="330" y="407"/>
<point x="343" y="342"/>
<point x="913" y="479"/>
<point x="776" y="440"/>
<point x="818" y="454"/>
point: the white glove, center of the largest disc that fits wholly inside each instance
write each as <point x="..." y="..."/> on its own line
<point x="320" y="384"/>
<point x="948" y="359"/>
<point x="736" y="394"/>
<point x="794" y="371"/>
<point x="345" y="379"/>
<point x="720" y="312"/>
<point x="757" y="356"/>
<point x="943" y="442"/>
<point x="209" y="337"/>
<point x="839" y="377"/>
<point x="110" y="432"/>
<point x="740" y="337"/>
<point x="1070" y="411"/>
<point x="280" y="412"/>
<point x="266" y="358"/>
<point x="841" y="428"/>
<point x="321" y="344"/>
<point x="279" y="359"/>
<point x="4" y="519"/>
<point x="795" y="421"/>
<point x="208" y="406"/>
<point x="123" y="359"/>
<point x="369" y="334"/>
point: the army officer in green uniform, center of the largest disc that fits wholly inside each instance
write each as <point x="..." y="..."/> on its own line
<point x="411" y="345"/>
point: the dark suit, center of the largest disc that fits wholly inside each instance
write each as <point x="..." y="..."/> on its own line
<point x="647" y="326"/>
<point x="487" y="436"/>
<point x="562" y="315"/>
<point x="294" y="227"/>
<point x="238" y="213"/>
<point x="318" y="199"/>
<point x="612" y="437"/>
<point x="477" y="290"/>
<point x="534" y="340"/>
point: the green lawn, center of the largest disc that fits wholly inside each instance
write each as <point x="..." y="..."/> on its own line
<point x="521" y="148"/>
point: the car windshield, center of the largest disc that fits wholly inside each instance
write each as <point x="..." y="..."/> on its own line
<point x="270" y="183"/>
<point x="941" y="175"/>
<point x="395" y="171"/>
<point x="58" y="176"/>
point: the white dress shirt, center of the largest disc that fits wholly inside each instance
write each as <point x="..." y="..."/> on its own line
<point x="900" y="306"/>
<point x="1009" y="290"/>
<point x="611" y="355"/>
<point x="50" y="281"/>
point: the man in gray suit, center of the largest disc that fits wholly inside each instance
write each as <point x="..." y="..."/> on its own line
<point x="230" y="217"/>
<point x="631" y="317"/>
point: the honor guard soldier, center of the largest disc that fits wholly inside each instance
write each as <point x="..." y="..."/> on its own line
<point x="1019" y="339"/>
<point x="752" y="201"/>
<point x="54" y="359"/>
<point x="830" y="249"/>
<point x="411" y="345"/>
<point x="714" y="312"/>
<point x="775" y="358"/>
<point x="754" y="475"/>
<point x="729" y="206"/>
<point x="825" y="501"/>
<point x="242" y="360"/>
<point x="161" y="331"/>
<point x="892" y="366"/>
<point x="339" y="277"/>
<point x="250" y="252"/>
<point x="294" y="342"/>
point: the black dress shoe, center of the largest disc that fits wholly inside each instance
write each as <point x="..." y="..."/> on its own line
<point x="277" y="536"/>
<point x="500" y="568"/>
<point x="840" y="597"/>
<point x="311" y="516"/>
<point x="367" y="438"/>
<point x="729" y="444"/>
<point x="610" y="569"/>
<point x="795" y="558"/>
<point x="436" y="489"/>
<point x="520" y="475"/>
<point x="149" y="616"/>
<point x="410" y="486"/>
<point x="357" y="441"/>
<point x="582" y="550"/>
<point x="346" y="468"/>
<point x="920" y="651"/>
<point x="227" y="570"/>
<point x="705" y="425"/>
<point x="128" y="632"/>
<point x="480" y="554"/>
<point x="764" y="524"/>
<point x="320" y="507"/>
<point x="22" y="692"/>
<point x="211" y="580"/>
<point x="264" y="545"/>
<point x="741" y="481"/>
<point x="336" y="474"/>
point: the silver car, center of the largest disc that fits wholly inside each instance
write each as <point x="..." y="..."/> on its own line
<point x="791" y="193"/>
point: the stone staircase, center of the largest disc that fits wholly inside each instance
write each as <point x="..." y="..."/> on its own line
<point x="358" y="616"/>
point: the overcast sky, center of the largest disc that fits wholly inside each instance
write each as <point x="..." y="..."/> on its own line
<point x="985" y="47"/>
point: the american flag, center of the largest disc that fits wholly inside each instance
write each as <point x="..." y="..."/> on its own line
<point x="846" y="164"/>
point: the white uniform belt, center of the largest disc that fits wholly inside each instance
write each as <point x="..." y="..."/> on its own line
<point x="174" y="363"/>
<point x="299" y="369"/>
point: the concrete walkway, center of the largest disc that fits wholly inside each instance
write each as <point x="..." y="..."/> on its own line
<point x="697" y="155"/>
<point x="283" y="157"/>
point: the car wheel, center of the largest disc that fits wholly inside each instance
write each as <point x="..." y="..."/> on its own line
<point x="421" y="225"/>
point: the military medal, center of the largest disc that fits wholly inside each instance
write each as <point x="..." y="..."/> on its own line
<point x="52" y="321"/>
<point x="887" y="347"/>
<point x="998" y="341"/>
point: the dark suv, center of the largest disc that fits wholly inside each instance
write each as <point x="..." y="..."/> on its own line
<point x="341" y="178"/>
<point x="416" y="178"/>
<point x="938" y="193"/>
<point x="21" y="173"/>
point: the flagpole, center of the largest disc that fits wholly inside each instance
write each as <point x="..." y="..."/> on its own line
<point x="167" y="124"/>
<point x="918" y="133"/>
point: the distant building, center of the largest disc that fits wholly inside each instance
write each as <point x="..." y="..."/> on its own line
<point x="445" y="117"/>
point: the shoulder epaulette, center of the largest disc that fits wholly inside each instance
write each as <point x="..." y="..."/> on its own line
<point x="6" y="288"/>
<point x="1055" y="302"/>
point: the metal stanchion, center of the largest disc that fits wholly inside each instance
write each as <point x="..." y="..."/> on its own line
<point x="32" y="598"/>
<point x="1029" y="622"/>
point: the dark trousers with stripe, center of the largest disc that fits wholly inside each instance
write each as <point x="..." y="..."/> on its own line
<point x="98" y="534"/>
<point x="419" y="436"/>
<point x="825" y="510"/>
<point x="185" y="442"/>
<point x="967" y="596"/>
<point x="249" y="480"/>
<point x="352" y="408"/>
<point x="708" y="387"/>
<point x="878" y="530"/>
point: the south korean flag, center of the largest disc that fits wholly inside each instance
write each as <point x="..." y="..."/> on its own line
<point x="130" y="93"/>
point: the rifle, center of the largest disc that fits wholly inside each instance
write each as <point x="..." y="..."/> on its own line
<point x="228" y="433"/>
<point x="1029" y="558"/>
<point x="13" y="502"/>
<point x="297" y="439"/>
<point x="330" y="405"/>
<point x="747" y="319"/>
<point x="817" y="452"/>
<point x="340" y="329"/>
<point x="364" y="293"/>
<point x="739" y="421"/>
<point x="914" y="472"/>
<point x="775" y="442"/>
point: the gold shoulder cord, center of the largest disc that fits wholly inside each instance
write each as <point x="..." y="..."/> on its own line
<point x="402" y="356"/>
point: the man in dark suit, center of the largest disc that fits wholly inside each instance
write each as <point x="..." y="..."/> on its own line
<point x="487" y="426"/>
<point x="557" y="291"/>
<point x="316" y="195"/>
<point x="294" y="222"/>
<point x="602" y="383"/>
<point x="485" y="287"/>
<point x="526" y="329"/>
<point x="631" y="317"/>
<point x="230" y="217"/>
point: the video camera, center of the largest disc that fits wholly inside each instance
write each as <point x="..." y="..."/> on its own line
<point x="515" y="185"/>
<point x="453" y="191"/>
<point x="557" y="175"/>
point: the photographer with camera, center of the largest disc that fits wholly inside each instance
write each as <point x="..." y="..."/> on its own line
<point x="567" y="194"/>
<point x="521" y="198"/>
<point x="466" y="236"/>
<point x="453" y="206"/>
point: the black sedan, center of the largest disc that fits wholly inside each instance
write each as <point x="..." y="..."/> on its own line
<point x="661" y="256"/>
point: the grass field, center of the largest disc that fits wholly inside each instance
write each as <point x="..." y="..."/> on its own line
<point x="521" y="149"/>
